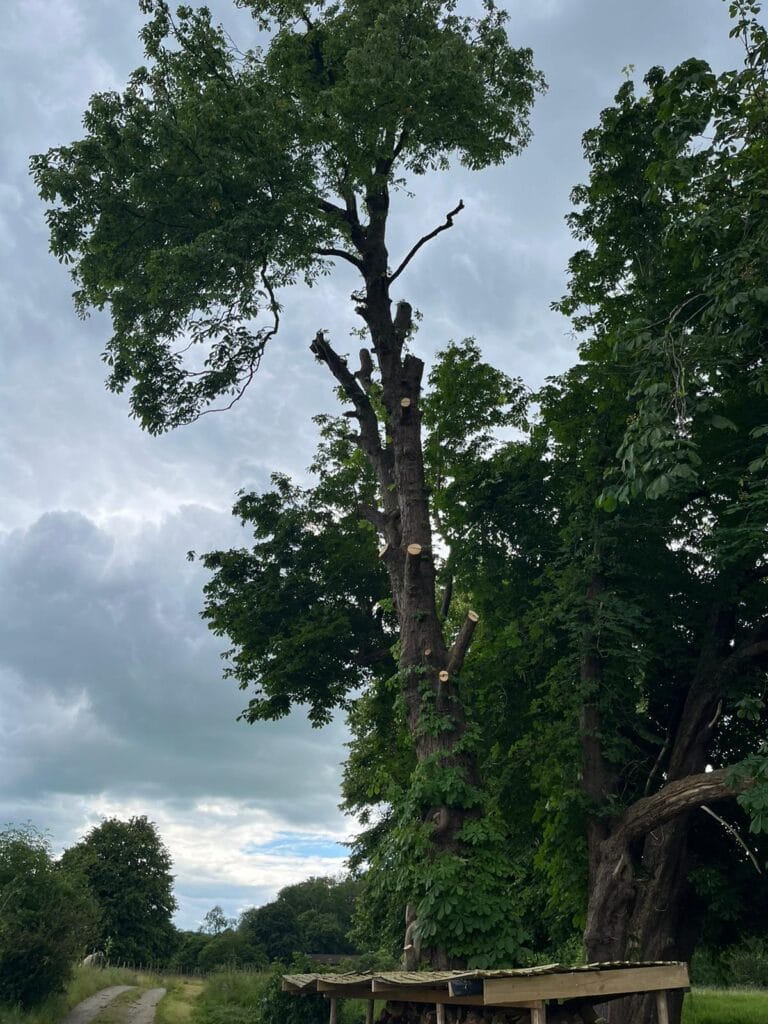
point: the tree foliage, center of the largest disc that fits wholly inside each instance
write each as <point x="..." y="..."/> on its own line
<point x="208" y="184"/>
<point x="46" y="920"/>
<point x="314" y="916"/>
<point x="127" y="870"/>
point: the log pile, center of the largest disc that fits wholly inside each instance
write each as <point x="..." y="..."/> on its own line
<point x="424" y="1013"/>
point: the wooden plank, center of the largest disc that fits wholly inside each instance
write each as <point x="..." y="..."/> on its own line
<point x="343" y="991"/>
<point x="288" y="986"/>
<point x="539" y="1013"/>
<point x="440" y="1013"/>
<point x="417" y="994"/>
<point x="502" y="991"/>
<point x="662" y="1008"/>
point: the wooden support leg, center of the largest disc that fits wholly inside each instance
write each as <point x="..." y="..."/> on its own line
<point x="539" y="1012"/>
<point x="332" y="1017"/>
<point x="440" y="1008"/>
<point x="662" y="1008"/>
<point x="369" y="1012"/>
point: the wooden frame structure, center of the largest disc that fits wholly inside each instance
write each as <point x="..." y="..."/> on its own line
<point x="531" y="988"/>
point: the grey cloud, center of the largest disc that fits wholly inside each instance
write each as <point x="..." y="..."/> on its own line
<point x="111" y="682"/>
<point x="111" y="694"/>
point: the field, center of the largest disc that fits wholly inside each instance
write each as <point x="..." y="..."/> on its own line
<point x="718" y="1006"/>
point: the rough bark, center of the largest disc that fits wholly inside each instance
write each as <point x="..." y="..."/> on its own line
<point x="639" y="890"/>
<point x="393" y="446"/>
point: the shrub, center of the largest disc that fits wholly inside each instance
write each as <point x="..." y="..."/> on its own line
<point x="45" y="920"/>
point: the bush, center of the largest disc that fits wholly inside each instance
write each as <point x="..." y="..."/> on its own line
<point x="230" y="949"/>
<point x="747" y="964"/>
<point x="45" y="920"/>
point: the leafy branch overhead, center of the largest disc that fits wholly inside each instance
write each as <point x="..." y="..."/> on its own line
<point x="220" y="176"/>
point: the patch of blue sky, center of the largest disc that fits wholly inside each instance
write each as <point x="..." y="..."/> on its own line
<point x="292" y="844"/>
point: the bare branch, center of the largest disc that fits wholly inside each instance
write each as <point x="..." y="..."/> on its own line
<point x="427" y="238"/>
<point x="445" y="604"/>
<point x="462" y="642"/>
<point x="732" y="830"/>
<point x="341" y="254"/>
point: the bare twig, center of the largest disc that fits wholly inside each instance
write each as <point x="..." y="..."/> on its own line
<point x="735" y="833"/>
<point x="427" y="238"/>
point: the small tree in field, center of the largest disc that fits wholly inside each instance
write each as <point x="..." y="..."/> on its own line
<point x="126" y="868"/>
<point x="219" y="177"/>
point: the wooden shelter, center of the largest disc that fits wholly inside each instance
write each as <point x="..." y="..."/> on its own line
<point x="532" y="989"/>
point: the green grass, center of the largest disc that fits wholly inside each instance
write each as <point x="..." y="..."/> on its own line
<point x="85" y="981"/>
<point x="177" y="1006"/>
<point x="174" y="1008"/>
<point x="230" y="997"/>
<point x="720" y="1006"/>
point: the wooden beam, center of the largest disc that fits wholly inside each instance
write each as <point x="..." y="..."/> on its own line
<point x="348" y="991"/>
<point x="417" y="994"/>
<point x="332" y="1016"/>
<point x="369" y="1012"/>
<point x="662" y="1008"/>
<point x="440" y="1013"/>
<point x="539" y="1013"/>
<point x="571" y="985"/>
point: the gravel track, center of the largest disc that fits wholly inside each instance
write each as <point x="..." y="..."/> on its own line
<point x="143" y="1010"/>
<point x="84" y="1012"/>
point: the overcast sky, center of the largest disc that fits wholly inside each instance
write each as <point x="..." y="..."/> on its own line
<point x="111" y="696"/>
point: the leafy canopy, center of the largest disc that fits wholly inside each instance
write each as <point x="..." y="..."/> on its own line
<point x="219" y="176"/>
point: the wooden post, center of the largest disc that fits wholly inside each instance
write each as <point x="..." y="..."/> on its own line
<point x="662" y="1007"/>
<point x="539" y="1013"/>
<point x="440" y="1008"/>
<point x="332" y="1017"/>
<point x="369" y="1012"/>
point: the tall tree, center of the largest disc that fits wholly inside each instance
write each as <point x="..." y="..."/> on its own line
<point x="672" y="290"/>
<point x="219" y="177"/>
<point x="127" y="870"/>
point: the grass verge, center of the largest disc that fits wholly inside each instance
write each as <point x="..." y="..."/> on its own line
<point x="177" y="1006"/>
<point x="85" y="981"/>
<point x="725" y="1006"/>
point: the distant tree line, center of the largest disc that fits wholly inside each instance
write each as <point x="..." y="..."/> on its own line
<point x="310" y="917"/>
<point x="112" y="892"/>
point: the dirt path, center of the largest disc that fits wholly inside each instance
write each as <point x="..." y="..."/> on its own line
<point x="143" y="1010"/>
<point x="84" y="1012"/>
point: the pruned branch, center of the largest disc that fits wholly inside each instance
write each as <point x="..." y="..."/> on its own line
<point x="369" y="441"/>
<point x="427" y="238"/>
<point x="365" y="373"/>
<point x="462" y="642"/>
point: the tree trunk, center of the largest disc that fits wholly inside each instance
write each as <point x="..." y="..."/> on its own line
<point x="639" y="888"/>
<point x="393" y="445"/>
